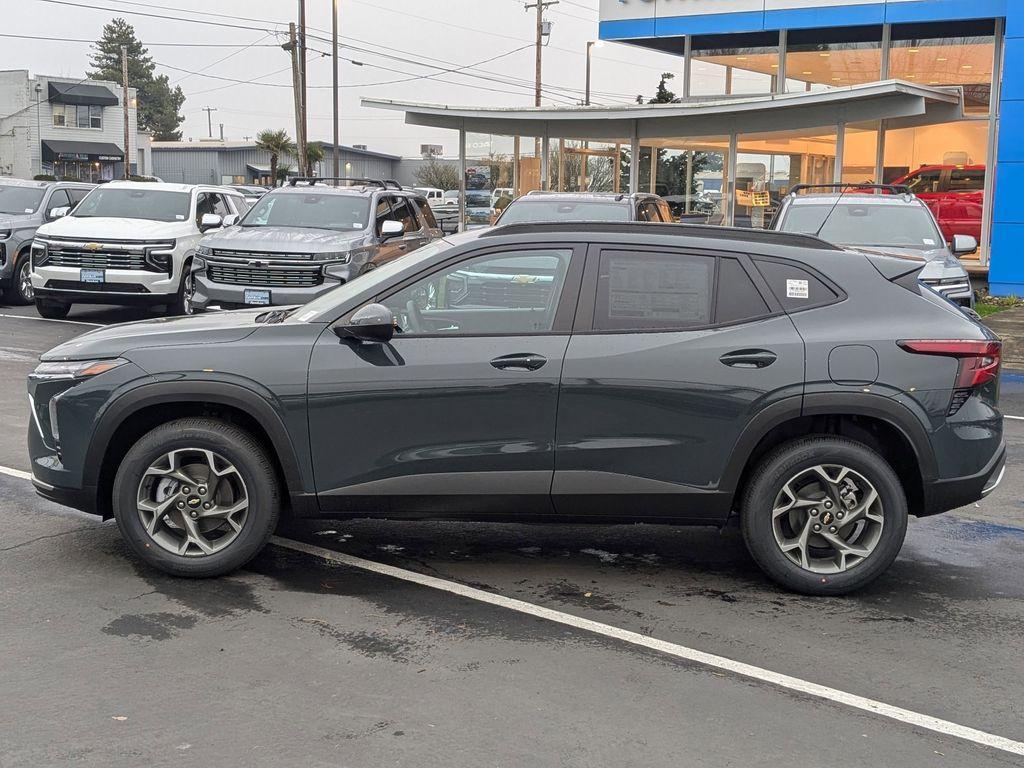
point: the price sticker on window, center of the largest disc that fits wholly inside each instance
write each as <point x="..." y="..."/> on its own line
<point x="797" y="289"/>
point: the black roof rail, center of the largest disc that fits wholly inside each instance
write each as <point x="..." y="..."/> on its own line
<point x="357" y="181"/>
<point x="705" y="231"/>
<point x="896" y="189"/>
<point x="392" y="184"/>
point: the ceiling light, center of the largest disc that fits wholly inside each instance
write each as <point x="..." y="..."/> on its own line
<point x="807" y="72"/>
<point x="967" y="66"/>
<point x="824" y="55"/>
<point x="933" y="82"/>
<point x="911" y="77"/>
<point x="912" y="50"/>
<point x="741" y="58"/>
<point x="837" y="78"/>
<point x="775" y="66"/>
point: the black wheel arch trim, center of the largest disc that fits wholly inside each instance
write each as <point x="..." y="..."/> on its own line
<point x="825" y="403"/>
<point x="219" y="393"/>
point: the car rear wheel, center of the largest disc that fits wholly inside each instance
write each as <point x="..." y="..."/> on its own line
<point x="824" y="515"/>
<point x="196" y="497"/>
<point x="52" y="310"/>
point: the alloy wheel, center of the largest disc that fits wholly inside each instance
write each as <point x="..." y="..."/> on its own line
<point x="25" y="288"/>
<point x="827" y="518"/>
<point x="192" y="502"/>
<point x="187" y="294"/>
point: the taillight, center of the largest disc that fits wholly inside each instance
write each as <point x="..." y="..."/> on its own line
<point x="979" y="362"/>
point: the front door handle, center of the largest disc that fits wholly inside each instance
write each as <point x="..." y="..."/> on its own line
<point x="749" y="358"/>
<point x="519" y="362"/>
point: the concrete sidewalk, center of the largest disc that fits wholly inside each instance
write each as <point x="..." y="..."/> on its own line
<point x="1009" y="325"/>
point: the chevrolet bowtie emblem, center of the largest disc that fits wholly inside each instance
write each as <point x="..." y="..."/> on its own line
<point x="92" y="246"/>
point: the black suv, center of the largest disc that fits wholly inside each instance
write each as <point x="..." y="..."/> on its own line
<point x="539" y="206"/>
<point x="544" y="372"/>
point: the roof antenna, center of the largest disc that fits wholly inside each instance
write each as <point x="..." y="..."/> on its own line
<point x="839" y="197"/>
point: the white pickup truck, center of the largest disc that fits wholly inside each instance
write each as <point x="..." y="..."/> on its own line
<point x="128" y="243"/>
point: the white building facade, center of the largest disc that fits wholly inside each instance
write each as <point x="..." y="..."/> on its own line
<point x="68" y="128"/>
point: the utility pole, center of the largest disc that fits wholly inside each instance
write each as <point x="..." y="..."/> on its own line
<point x="209" y="119"/>
<point x="303" y="163"/>
<point x="125" y="105"/>
<point x="293" y="48"/>
<point x="336" y="154"/>
<point x="222" y="131"/>
<point x="543" y="30"/>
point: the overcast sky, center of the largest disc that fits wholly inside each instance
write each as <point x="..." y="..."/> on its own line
<point x="445" y="33"/>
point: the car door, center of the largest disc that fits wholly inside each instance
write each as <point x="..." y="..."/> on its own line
<point x="416" y="235"/>
<point x="457" y="412"/>
<point x="675" y="352"/>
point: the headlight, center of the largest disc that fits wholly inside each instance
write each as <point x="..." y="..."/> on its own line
<point x="40" y="254"/>
<point x="161" y="256"/>
<point x="75" y="369"/>
<point x="335" y="257"/>
<point x="204" y="250"/>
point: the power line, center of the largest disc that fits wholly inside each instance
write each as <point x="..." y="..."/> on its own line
<point x="155" y="45"/>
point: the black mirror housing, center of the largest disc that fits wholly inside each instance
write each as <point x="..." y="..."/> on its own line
<point x="373" y="324"/>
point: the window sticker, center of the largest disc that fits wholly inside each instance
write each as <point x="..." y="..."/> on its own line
<point x="797" y="289"/>
<point x="179" y="216"/>
<point x="928" y="241"/>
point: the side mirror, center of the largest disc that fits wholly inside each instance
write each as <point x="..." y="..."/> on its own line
<point x="210" y="221"/>
<point x="58" y="213"/>
<point x="964" y="244"/>
<point x="230" y="219"/>
<point x="373" y="323"/>
<point x="391" y="228"/>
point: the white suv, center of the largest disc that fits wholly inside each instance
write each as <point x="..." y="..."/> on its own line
<point x="128" y="243"/>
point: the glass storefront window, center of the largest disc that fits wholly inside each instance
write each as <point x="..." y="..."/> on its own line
<point x="860" y="153"/>
<point x="690" y="174"/>
<point x="947" y="54"/>
<point x="819" y="59"/>
<point x="586" y="166"/>
<point x="725" y="65"/>
<point x="945" y="166"/>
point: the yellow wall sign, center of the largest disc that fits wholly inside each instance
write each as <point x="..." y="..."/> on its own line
<point x="760" y="199"/>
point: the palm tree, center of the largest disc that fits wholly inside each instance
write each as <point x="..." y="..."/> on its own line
<point x="314" y="155"/>
<point x="277" y="143"/>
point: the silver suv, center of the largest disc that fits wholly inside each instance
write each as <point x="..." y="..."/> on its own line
<point x="896" y="223"/>
<point x="309" y="237"/>
<point x="24" y="207"/>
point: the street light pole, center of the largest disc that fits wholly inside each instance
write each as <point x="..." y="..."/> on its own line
<point x="591" y="45"/>
<point x="124" y="104"/>
<point x="334" y="63"/>
<point x="39" y="129"/>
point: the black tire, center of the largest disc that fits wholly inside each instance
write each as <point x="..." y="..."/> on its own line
<point x="233" y="444"/>
<point x="17" y="292"/>
<point x="182" y="304"/>
<point x="787" y="461"/>
<point x="52" y="310"/>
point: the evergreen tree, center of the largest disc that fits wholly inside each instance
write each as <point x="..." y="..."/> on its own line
<point x="159" y="107"/>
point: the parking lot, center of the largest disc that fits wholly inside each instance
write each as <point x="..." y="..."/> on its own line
<point x="395" y="643"/>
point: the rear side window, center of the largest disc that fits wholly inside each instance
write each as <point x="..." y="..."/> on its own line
<point x="425" y="213"/>
<point x="644" y="290"/>
<point x="795" y="287"/>
<point x="966" y="180"/>
<point x="738" y="297"/>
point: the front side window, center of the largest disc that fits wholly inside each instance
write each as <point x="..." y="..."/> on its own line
<point x="967" y="180"/>
<point x="512" y="293"/>
<point x="924" y="182"/>
<point x="382" y="214"/>
<point x="59" y="199"/>
<point x="403" y="212"/>
<point x="342" y="212"/>
<point x="646" y="290"/>
<point x="135" y="203"/>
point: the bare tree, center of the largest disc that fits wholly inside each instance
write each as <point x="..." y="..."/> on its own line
<point x="435" y="173"/>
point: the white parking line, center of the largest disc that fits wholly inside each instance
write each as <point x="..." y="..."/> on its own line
<point x="1015" y="418"/>
<point x="51" y="320"/>
<point x="795" y="684"/>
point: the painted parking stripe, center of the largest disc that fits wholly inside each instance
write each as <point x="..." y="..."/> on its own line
<point x="787" y="682"/>
<point x="52" y="320"/>
<point x="1015" y="418"/>
<point x="15" y="473"/>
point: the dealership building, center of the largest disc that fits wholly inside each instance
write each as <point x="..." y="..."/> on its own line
<point x="775" y="93"/>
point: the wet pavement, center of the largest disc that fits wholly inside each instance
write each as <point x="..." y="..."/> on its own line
<point x="296" y="661"/>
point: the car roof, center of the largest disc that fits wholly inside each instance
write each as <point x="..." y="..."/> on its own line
<point x="586" y="197"/>
<point x="855" y="198"/>
<point x="31" y="184"/>
<point x="169" y="187"/>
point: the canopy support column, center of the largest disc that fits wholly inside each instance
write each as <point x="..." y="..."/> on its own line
<point x="730" y="180"/>
<point x="634" y="162"/>
<point x="545" y="152"/>
<point x="837" y="170"/>
<point x="462" y="179"/>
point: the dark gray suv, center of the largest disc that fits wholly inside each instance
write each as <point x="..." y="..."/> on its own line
<point x="544" y="372"/>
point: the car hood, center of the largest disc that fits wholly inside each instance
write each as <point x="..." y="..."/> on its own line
<point x="284" y="239"/>
<point x="941" y="264"/>
<point x="116" y="340"/>
<point x="108" y="228"/>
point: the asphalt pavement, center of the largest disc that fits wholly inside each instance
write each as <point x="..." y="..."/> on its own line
<point x="298" y="660"/>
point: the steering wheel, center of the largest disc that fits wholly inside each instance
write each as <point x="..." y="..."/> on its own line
<point x="414" y="316"/>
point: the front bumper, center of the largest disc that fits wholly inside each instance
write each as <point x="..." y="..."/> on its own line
<point x="208" y="293"/>
<point x="944" y="495"/>
<point x="128" y="287"/>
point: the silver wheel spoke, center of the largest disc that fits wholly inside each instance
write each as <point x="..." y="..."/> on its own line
<point x="157" y="510"/>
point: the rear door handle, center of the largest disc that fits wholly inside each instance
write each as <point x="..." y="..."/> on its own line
<point x="519" y="362"/>
<point x="749" y="358"/>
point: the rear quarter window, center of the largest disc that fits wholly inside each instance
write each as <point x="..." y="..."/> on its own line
<point x="738" y="297"/>
<point x="796" y="288"/>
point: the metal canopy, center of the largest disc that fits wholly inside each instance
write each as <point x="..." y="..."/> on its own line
<point x="901" y="103"/>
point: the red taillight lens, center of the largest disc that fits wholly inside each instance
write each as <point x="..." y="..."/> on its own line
<point x="979" y="360"/>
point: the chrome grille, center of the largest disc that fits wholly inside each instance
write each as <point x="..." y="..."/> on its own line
<point x="269" y="276"/>
<point x="78" y="257"/>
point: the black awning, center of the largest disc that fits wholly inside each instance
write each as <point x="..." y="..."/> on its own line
<point x="81" y="150"/>
<point x="77" y="93"/>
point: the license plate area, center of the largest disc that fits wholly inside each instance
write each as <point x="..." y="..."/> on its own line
<point x="256" y="297"/>
<point x="92" y="276"/>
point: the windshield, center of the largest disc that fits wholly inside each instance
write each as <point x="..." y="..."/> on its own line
<point x="20" y="200"/>
<point x="326" y="302"/>
<point x="341" y="212"/>
<point x="868" y="225"/>
<point x="562" y="210"/>
<point x="134" y="203"/>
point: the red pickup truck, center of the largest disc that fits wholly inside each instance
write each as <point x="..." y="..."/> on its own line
<point x="954" y="193"/>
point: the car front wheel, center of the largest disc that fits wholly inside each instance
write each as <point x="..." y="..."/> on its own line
<point x="52" y="310"/>
<point x="824" y="515"/>
<point x="21" y="291"/>
<point x="196" y="497"/>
